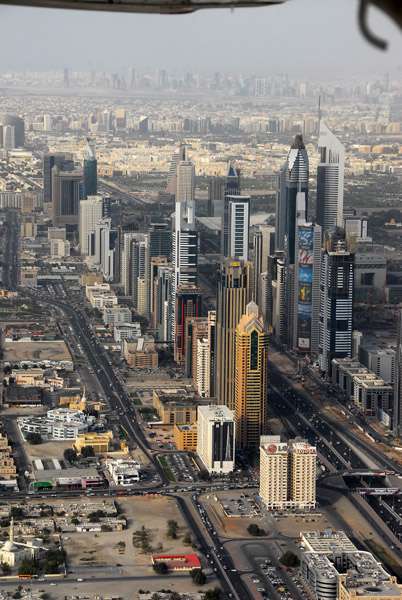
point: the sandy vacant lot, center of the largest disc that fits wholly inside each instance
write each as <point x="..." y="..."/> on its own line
<point x="57" y="350"/>
<point x="47" y="450"/>
<point x="110" y="548"/>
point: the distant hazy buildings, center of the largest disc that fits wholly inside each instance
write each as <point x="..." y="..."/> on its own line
<point x="12" y="132"/>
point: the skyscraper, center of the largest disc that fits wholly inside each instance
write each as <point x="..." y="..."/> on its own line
<point x="251" y="378"/>
<point x="188" y="304"/>
<point x="336" y="299"/>
<point x="235" y="288"/>
<point x="330" y="177"/>
<point x="90" y="171"/>
<point x="264" y="246"/>
<point x="160" y="238"/>
<point x="232" y="188"/>
<point x="67" y="193"/>
<point x="297" y="174"/>
<point x="164" y="306"/>
<point x="140" y="273"/>
<point x="239" y="226"/>
<point x="185" y="236"/>
<point x="216" y="192"/>
<point x="397" y="409"/>
<point x="280" y="209"/>
<point x="90" y="213"/>
<point x="64" y="161"/>
<point x="304" y="283"/>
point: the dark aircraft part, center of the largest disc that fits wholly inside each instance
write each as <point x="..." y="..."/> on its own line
<point x="392" y="7"/>
<point x="143" y="6"/>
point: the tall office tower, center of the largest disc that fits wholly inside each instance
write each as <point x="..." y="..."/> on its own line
<point x="280" y="209"/>
<point x="105" y="121"/>
<point x="330" y="177"/>
<point x="201" y="379"/>
<point x="232" y="188"/>
<point x="216" y="438"/>
<point x="397" y="409"/>
<point x="160" y="239"/>
<point x="156" y="263"/>
<point x="179" y="155"/>
<point x="196" y="328"/>
<point x="304" y="283"/>
<point x="264" y="246"/>
<point x="90" y="213"/>
<point x="211" y="358"/>
<point x="121" y="231"/>
<point x="90" y="171"/>
<point x="279" y="297"/>
<point x="126" y="273"/>
<point x="251" y="378"/>
<point x="188" y="304"/>
<point x="164" y="306"/>
<point x="67" y="193"/>
<point x="216" y="193"/>
<point x="66" y="79"/>
<point x="131" y="77"/>
<point x="185" y="236"/>
<point x="336" y="300"/>
<point x="140" y="274"/>
<point x="297" y="173"/>
<point x="64" y="161"/>
<point x="121" y="119"/>
<point x="108" y="238"/>
<point x="235" y="288"/>
<point x="287" y="473"/>
<point x="239" y="226"/>
<point x="12" y="131"/>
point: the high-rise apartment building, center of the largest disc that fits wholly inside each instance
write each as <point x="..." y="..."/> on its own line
<point x="251" y="378"/>
<point x="160" y="239"/>
<point x="201" y="375"/>
<point x="239" y="226"/>
<point x="280" y="209"/>
<point x="90" y="171"/>
<point x="211" y="357"/>
<point x="140" y="273"/>
<point x="287" y="473"/>
<point x="330" y="177"/>
<point x="232" y="188"/>
<point x="264" y="246"/>
<point x="216" y="438"/>
<point x="336" y="299"/>
<point x="67" y="193"/>
<point x="216" y="193"/>
<point x="188" y="304"/>
<point x="235" y="288"/>
<point x="196" y="329"/>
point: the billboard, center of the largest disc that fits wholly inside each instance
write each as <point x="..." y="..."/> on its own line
<point x="304" y="291"/>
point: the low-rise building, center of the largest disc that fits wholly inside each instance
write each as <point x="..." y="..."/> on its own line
<point x="216" y="438"/>
<point x="175" y="406"/>
<point x="91" y="278"/>
<point x="59" y="424"/>
<point x="29" y="276"/>
<point x="59" y="248"/>
<point x="117" y="314"/>
<point x="126" y="331"/>
<point x="96" y="288"/>
<point x="99" y="442"/>
<point x="334" y="569"/>
<point x="178" y="562"/>
<point x="185" y="437"/>
<point x="100" y="300"/>
<point x="123" y="471"/>
<point x="8" y="469"/>
<point x="140" y="353"/>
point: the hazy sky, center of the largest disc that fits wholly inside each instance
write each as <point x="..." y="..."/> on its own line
<point x="301" y="36"/>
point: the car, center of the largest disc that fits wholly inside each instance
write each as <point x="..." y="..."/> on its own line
<point x="53" y="584"/>
<point x="80" y="579"/>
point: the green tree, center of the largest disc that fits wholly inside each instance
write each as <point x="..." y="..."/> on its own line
<point x="198" y="576"/>
<point x="34" y="438"/>
<point x="289" y="559"/>
<point x="70" y="455"/>
<point x="17" y="513"/>
<point x="254" y="530"/>
<point x="87" y="451"/>
<point x="27" y="567"/>
<point x="174" y="596"/>
<point x="172" y="528"/>
<point x="160" y="568"/>
<point x="5" y="567"/>
<point x="187" y="539"/>
<point x="203" y="475"/>
<point x="212" y="594"/>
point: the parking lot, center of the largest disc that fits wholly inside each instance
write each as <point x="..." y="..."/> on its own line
<point x="181" y="467"/>
<point x="240" y="507"/>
